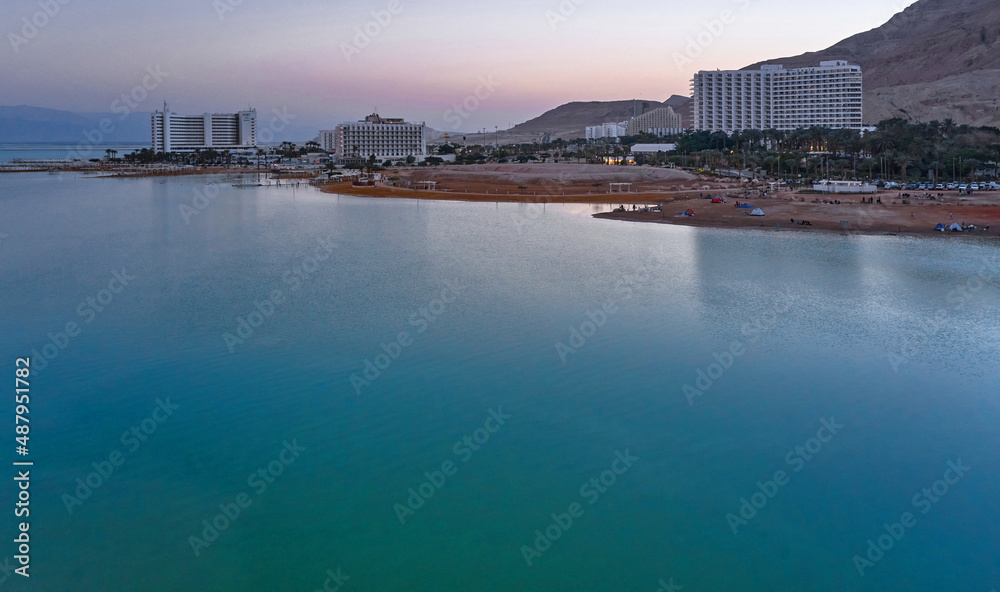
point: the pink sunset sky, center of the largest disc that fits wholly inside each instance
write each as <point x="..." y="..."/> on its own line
<point x="417" y="60"/>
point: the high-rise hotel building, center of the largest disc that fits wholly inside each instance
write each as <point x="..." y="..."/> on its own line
<point x="776" y="98"/>
<point x="386" y="138"/>
<point x="217" y="131"/>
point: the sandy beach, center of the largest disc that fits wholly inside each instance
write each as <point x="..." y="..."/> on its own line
<point x="679" y="191"/>
<point x="782" y="213"/>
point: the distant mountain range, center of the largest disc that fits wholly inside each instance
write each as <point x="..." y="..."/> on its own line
<point x="24" y="124"/>
<point x="938" y="59"/>
<point x="570" y="121"/>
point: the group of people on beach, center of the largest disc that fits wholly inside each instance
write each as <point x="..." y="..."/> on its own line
<point x="622" y="208"/>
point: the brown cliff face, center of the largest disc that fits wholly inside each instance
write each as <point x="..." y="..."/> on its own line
<point x="937" y="59"/>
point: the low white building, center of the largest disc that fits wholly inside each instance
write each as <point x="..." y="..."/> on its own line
<point x="845" y="187"/>
<point x="607" y="130"/>
<point x="653" y="148"/>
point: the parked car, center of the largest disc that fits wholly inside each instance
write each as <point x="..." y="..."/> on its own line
<point x="974" y="187"/>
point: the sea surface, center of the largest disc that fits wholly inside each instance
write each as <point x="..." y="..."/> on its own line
<point x="276" y="389"/>
<point x="63" y="150"/>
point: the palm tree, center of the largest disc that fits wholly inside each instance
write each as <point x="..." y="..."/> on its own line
<point x="948" y="127"/>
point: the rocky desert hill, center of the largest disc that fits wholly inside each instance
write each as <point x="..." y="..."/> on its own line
<point x="569" y="121"/>
<point x="937" y="59"/>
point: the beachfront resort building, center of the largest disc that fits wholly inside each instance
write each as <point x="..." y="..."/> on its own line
<point x="607" y="131"/>
<point x="385" y="138"/>
<point x="663" y="121"/>
<point x="778" y="98"/>
<point x="172" y="132"/>
<point x="328" y="140"/>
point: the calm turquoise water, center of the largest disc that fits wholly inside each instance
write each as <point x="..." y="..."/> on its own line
<point x="828" y="326"/>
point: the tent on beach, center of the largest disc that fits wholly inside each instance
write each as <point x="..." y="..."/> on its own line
<point x="746" y="206"/>
<point x="757" y="212"/>
<point x="940" y="228"/>
<point x="718" y="200"/>
<point x="955" y="227"/>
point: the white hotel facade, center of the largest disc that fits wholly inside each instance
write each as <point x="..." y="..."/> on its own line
<point x="606" y="130"/>
<point x="663" y="121"/>
<point x="776" y="98"/>
<point x="385" y="138"/>
<point x="217" y="131"/>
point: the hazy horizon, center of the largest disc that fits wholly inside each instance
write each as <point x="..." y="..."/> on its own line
<point x="315" y="62"/>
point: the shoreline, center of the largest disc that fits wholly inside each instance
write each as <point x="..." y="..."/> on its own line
<point x="894" y="219"/>
<point x="904" y="232"/>
<point x="915" y="215"/>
